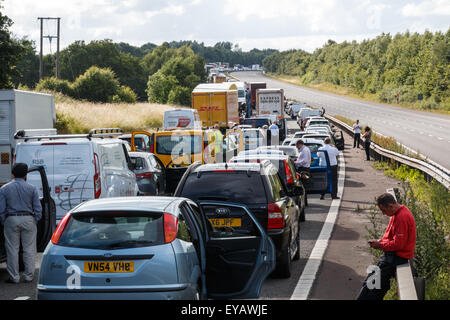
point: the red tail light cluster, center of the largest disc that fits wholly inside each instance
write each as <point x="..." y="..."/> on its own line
<point x="144" y="175"/>
<point x="170" y="228"/>
<point x="97" y="179"/>
<point x="289" y="177"/>
<point x="275" y="217"/>
<point x="60" y="229"/>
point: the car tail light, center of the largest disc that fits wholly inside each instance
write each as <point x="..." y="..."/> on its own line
<point x="97" y="179"/>
<point x="289" y="177"/>
<point x="170" y="227"/>
<point x="144" y="175"/>
<point x="275" y="217"/>
<point x="60" y="228"/>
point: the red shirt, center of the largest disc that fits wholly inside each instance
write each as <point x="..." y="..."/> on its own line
<point x="400" y="235"/>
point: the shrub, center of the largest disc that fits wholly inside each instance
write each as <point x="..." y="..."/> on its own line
<point x="96" y="85"/>
<point x="159" y="86"/>
<point x="124" y="95"/>
<point x="179" y="96"/>
<point x="55" y="85"/>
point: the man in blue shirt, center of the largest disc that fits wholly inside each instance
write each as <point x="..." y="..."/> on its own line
<point x="20" y="210"/>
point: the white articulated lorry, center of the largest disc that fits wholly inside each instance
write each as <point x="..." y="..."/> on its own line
<point x="20" y="110"/>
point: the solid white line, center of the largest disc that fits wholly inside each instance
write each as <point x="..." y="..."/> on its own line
<point x="22" y="298"/>
<point x="309" y="274"/>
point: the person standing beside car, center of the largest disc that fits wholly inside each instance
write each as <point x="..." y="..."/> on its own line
<point x="20" y="211"/>
<point x="303" y="162"/>
<point x="333" y="153"/>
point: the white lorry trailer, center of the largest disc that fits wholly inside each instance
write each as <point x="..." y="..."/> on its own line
<point x="21" y="110"/>
<point x="270" y="102"/>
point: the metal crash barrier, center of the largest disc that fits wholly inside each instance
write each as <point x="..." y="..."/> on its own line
<point x="429" y="168"/>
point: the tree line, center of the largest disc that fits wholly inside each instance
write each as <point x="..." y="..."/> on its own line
<point x="416" y="67"/>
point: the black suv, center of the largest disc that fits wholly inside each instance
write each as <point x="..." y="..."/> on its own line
<point x="259" y="187"/>
<point x="288" y="175"/>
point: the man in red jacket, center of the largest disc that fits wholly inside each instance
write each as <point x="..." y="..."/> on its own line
<point x="398" y="244"/>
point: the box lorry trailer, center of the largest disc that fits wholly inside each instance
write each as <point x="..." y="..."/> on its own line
<point x="252" y="87"/>
<point x="216" y="106"/>
<point x="21" y="110"/>
<point x="270" y="102"/>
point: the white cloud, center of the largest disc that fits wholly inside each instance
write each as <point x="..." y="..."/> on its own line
<point x="427" y="8"/>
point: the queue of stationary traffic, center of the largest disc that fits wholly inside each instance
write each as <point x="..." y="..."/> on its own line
<point x="205" y="208"/>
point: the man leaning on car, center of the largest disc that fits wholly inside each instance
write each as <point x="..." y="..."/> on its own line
<point x="20" y="210"/>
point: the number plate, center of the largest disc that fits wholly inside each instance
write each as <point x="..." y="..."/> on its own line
<point x="108" y="267"/>
<point x="226" y="222"/>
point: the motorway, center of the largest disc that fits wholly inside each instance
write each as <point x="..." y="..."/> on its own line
<point x="273" y="288"/>
<point x="427" y="133"/>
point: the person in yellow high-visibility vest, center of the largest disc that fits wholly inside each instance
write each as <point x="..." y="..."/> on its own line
<point x="218" y="142"/>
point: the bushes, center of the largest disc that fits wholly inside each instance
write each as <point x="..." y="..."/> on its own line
<point x="95" y="85"/>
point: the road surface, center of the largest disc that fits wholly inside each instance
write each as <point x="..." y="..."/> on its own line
<point x="424" y="132"/>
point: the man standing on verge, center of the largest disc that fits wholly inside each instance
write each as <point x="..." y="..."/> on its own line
<point x="218" y="144"/>
<point x="333" y="153"/>
<point x="398" y="245"/>
<point x="20" y="210"/>
<point x="357" y="129"/>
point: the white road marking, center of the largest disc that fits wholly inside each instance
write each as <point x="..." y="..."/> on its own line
<point x="23" y="298"/>
<point x="309" y="274"/>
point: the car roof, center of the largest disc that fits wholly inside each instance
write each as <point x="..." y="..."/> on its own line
<point x="312" y="140"/>
<point x="262" y="156"/>
<point x="154" y="204"/>
<point x="229" y="166"/>
<point x="69" y="141"/>
<point x="140" y="154"/>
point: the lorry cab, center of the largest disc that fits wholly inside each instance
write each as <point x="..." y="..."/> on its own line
<point x="178" y="149"/>
<point x="79" y="167"/>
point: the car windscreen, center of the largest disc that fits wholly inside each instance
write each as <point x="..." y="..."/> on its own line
<point x="313" y="147"/>
<point x="256" y="123"/>
<point x="233" y="186"/>
<point x="113" y="230"/>
<point x="179" y="144"/>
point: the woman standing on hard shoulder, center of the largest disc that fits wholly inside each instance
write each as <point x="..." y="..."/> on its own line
<point x="367" y="141"/>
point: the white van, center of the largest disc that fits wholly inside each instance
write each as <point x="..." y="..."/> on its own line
<point x="79" y="167"/>
<point x="181" y="119"/>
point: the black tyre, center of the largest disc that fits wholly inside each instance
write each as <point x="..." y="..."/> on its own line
<point x="283" y="268"/>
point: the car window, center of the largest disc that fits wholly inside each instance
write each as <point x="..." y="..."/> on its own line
<point x="113" y="230"/>
<point x="184" y="232"/>
<point x="234" y="186"/>
<point x="140" y="163"/>
<point x="178" y="144"/>
<point x="197" y="216"/>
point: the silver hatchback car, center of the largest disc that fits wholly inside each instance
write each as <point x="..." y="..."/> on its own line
<point x="156" y="248"/>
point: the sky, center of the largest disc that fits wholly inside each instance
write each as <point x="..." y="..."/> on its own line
<point x="262" y="24"/>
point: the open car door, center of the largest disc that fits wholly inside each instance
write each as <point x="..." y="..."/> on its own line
<point x="47" y="225"/>
<point x="320" y="177"/>
<point x="141" y="141"/>
<point x="239" y="254"/>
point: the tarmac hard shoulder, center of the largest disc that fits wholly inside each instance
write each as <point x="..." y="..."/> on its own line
<point x="347" y="257"/>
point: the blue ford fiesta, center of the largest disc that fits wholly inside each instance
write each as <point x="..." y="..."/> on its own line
<point x="156" y="248"/>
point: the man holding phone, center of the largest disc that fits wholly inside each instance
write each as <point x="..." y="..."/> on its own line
<point x="398" y="245"/>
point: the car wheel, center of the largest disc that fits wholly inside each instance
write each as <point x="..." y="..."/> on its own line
<point x="302" y="215"/>
<point x="198" y="293"/>
<point x="297" y="240"/>
<point x="157" y="190"/>
<point x="284" y="266"/>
